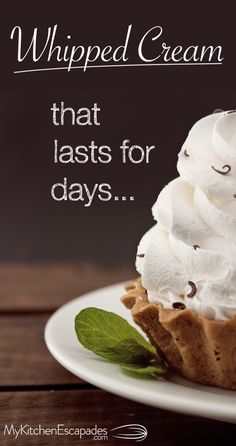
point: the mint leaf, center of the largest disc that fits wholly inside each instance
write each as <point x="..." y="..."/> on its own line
<point x="98" y="329"/>
<point x="114" y="339"/>
<point x="145" y="370"/>
<point x="127" y="351"/>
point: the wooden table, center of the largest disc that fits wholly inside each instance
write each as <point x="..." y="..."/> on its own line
<point x="35" y="389"/>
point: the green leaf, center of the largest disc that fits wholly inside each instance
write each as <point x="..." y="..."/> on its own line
<point x="112" y="337"/>
<point x="145" y="370"/>
<point x="127" y="351"/>
<point x="98" y="329"/>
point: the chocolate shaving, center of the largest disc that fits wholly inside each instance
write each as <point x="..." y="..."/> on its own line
<point x="140" y="255"/>
<point x="196" y="247"/>
<point x="178" y="306"/>
<point x="234" y="195"/>
<point x="186" y="153"/>
<point x="193" y="289"/>
<point x="231" y="111"/>
<point x="226" y="169"/>
<point x="217" y="110"/>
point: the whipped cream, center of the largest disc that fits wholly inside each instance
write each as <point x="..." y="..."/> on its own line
<point x="189" y="256"/>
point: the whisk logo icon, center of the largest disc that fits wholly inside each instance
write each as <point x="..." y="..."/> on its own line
<point x="130" y="432"/>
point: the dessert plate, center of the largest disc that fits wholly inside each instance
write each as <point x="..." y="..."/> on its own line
<point x="171" y="393"/>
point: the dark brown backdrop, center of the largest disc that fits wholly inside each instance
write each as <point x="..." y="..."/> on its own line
<point x="146" y="105"/>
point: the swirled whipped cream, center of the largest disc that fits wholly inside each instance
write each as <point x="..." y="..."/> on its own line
<point x="188" y="258"/>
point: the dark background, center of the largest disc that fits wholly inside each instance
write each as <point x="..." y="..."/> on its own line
<point x="148" y="105"/>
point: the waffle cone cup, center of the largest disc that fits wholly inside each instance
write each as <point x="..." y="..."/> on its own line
<point x="199" y="349"/>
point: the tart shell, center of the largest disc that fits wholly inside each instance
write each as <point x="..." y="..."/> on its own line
<point x="199" y="349"/>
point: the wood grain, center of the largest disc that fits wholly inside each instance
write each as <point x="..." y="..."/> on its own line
<point x="24" y="358"/>
<point x="35" y="389"/>
<point x="85" y="408"/>
<point x="47" y="286"/>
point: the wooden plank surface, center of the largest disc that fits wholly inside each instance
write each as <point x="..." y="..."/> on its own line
<point x="47" y="286"/>
<point x="24" y="358"/>
<point x="35" y="389"/>
<point x="85" y="408"/>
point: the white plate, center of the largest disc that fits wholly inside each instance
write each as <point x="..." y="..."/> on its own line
<point x="176" y="393"/>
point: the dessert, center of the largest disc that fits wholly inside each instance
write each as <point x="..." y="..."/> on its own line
<point x="185" y="298"/>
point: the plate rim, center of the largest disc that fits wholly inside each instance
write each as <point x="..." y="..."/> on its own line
<point x="176" y="403"/>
